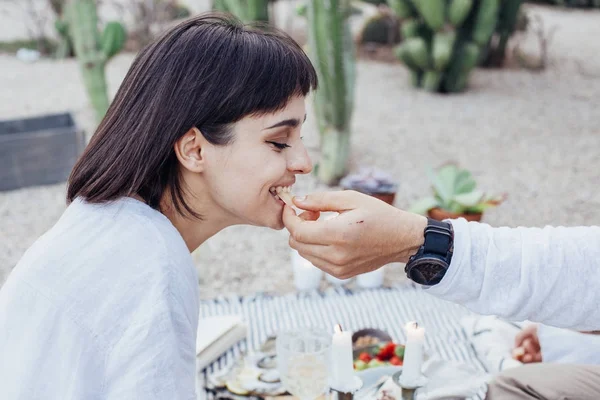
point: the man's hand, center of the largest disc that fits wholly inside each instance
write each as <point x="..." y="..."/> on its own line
<point x="527" y="346"/>
<point x="367" y="234"/>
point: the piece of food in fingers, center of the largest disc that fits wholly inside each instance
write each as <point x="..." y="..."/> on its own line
<point x="285" y="195"/>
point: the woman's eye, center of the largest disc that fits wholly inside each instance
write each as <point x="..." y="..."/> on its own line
<point x="280" y="146"/>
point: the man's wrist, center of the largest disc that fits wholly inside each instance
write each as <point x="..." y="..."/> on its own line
<point x="408" y="241"/>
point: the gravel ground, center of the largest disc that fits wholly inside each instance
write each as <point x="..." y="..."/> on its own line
<point x="532" y="135"/>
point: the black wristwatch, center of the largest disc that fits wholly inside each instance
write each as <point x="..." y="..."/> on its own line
<point x="429" y="265"/>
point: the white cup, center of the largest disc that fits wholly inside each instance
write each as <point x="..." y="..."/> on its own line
<point x="337" y="282"/>
<point x="306" y="275"/>
<point x="370" y="280"/>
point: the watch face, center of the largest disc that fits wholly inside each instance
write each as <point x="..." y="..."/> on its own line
<point x="428" y="271"/>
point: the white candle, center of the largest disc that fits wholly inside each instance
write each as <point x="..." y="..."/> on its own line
<point x="413" y="355"/>
<point x="342" y="363"/>
<point x="306" y="275"/>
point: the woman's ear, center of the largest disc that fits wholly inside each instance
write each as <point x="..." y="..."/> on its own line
<point x="189" y="150"/>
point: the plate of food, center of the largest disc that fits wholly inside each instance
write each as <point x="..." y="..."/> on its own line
<point x="373" y="348"/>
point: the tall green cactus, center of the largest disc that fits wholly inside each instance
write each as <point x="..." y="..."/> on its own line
<point x="93" y="49"/>
<point x="445" y="39"/>
<point x="246" y="10"/>
<point x="331" y="49"/>
<point x="508" y="17"/>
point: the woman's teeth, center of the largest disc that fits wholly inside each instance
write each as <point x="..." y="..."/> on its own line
<point x="280" y="189"/>
<point x="282" y="192"/>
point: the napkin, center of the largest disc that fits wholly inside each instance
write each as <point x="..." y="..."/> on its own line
<point x="215" y="336"/>
<point x="450" y="380"/>
<point x="443" y="380"/>
<point x="493" y="340"/>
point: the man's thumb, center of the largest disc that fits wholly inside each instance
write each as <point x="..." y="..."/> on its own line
<point x="329" y="201"/>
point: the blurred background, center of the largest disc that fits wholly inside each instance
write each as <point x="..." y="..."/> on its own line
<point x="485" y="109"/>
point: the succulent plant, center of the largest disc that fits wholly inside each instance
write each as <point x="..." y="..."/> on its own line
<point x="370" y="180"/>
<point x="455" y="190"/>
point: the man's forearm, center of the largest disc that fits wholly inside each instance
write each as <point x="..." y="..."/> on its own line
<point x="549" y="275"/>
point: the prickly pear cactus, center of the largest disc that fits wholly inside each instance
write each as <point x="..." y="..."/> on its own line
<point x="93" y="49"/>
<point x="445" y="39"/>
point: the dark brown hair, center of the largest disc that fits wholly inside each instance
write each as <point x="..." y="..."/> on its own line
<point x="207" y="72"/>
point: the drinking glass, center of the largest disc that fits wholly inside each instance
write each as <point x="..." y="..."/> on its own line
<point x="302" y="360"/>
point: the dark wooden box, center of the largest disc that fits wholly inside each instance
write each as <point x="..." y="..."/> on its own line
<point x="38" y="151"/>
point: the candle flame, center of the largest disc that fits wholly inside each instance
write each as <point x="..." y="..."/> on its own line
<point x="337" y="328"/>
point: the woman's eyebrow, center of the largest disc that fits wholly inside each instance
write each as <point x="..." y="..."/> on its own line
<point x="292" y="122"/>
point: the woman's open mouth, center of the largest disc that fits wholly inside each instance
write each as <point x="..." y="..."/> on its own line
<point x="282" y="194"/>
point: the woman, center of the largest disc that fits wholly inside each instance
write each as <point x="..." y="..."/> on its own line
<point x="203" y="130"/>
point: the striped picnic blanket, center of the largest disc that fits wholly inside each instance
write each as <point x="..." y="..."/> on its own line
<point x="384" y="308"/>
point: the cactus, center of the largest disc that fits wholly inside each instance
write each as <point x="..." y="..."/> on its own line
<point x="432" y="11"/>
<point x="65" y="44"/>
<point x="246" y="10"/>
<point x="485" y="21"/>
<point x="410" y="28"/>
<point x="93" y="49"/>
<point x="331" y="49"/>
<point x="458" y="10"/>
<point x="495" y="51"/>
<point x="403" y="9"/>
<point x="445" y="39"/>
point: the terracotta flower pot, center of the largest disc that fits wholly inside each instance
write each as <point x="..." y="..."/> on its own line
<point x="440" y="214"/>
<point x="373" y="182"/>
<point x="387" y="197"/>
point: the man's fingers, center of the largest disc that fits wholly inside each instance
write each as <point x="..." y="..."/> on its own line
<point x="322" y="264"/>
<point x="520" y="337"/>
<point x="306" y="231"/>
<point x="290" y="219"/>
<point x="518" y="353"/>
<point x="308" y="249"/>
<point x="339" y="201"/>
<point x="530" y="346"/>
<point x="309" y="215"/>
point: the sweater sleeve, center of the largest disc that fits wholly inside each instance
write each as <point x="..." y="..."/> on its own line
<point x="549" y="275"/>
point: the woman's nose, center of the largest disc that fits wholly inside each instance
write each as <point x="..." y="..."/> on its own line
<point x="299" y="161"/>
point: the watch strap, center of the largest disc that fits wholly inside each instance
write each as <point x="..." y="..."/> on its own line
<point x="438" y="238"/>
